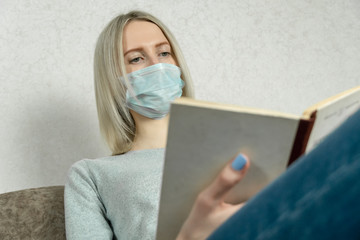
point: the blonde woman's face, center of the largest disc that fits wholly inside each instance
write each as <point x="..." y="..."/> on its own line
<point x="144" y="44"/>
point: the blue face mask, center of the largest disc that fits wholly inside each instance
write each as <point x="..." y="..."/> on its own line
<point x="153" y="89"/>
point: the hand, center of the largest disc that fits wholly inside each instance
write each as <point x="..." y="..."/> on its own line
<point x="209" y="210"/>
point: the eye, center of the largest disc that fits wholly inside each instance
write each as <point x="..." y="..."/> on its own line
<point x="164" y="54"/>
<point x="135" y="60"/>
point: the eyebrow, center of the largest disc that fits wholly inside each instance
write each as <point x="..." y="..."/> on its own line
<point x="139" y="49"/>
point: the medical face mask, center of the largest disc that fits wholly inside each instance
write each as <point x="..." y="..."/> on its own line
<point x="153" y="89"/>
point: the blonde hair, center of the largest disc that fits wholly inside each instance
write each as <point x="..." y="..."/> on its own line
<point x="116" y="123"/>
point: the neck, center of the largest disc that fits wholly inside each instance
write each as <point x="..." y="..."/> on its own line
<point x="150" y="133"/>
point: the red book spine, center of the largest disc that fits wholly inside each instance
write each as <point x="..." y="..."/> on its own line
<point x="302" y="138"/>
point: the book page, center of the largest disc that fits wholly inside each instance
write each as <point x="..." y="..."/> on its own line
<point x="202" y="140"/>
<point x="331" y="115"/>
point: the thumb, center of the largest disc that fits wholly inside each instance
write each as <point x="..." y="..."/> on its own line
<point x="229" y="176"/>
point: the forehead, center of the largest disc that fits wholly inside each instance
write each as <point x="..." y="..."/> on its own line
<point x="138" y="33"/>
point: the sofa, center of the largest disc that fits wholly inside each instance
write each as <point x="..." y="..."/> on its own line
<point x="36" y="213"/>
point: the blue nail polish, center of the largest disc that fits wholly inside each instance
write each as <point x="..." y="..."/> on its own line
<point x="239" y="162"/>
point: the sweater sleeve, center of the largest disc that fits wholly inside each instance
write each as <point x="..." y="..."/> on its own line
<point x="85" y="214"/>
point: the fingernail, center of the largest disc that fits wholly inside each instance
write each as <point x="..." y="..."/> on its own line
<point x="239" y="162"/>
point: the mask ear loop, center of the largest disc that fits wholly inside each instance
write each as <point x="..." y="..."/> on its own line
<point x="129" y="90"/>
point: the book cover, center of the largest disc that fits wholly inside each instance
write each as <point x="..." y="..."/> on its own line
<point x="203" y="136"/>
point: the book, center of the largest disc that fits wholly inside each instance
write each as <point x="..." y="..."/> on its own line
<point x="204" y="136"/>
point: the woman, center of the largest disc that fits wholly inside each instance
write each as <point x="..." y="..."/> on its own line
<point x="139" y="70"/>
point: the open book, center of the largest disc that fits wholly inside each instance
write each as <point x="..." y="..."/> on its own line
<point x="203" y="136"/>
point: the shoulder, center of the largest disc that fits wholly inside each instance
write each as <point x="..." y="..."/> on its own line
<point x="150" y="156"/>
<point x="137" y="161"/>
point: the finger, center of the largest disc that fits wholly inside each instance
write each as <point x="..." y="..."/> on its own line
<point x="228" y="210"/>
<point x="229" y="176"/>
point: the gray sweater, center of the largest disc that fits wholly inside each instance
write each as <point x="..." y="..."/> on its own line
<point x="114" y="197"/>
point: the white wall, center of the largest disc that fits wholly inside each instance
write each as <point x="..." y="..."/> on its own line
<point x="282" y="55"/>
